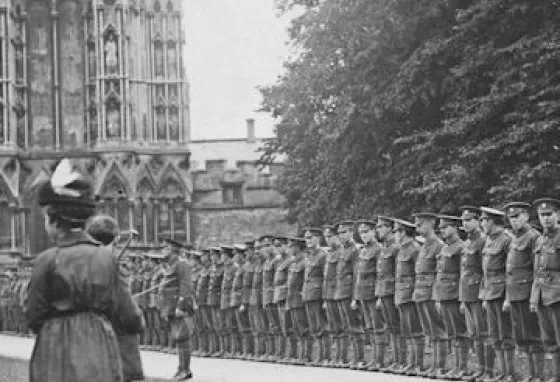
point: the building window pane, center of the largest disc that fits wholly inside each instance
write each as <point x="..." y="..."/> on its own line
<point x="232" y="194"/>
<point x="5" y="226"/>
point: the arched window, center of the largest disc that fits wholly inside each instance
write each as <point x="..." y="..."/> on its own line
<point x="5" y="225"/>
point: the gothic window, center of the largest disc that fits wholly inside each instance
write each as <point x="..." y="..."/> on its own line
<point x="171" y="60"/>
<point x="3" y="136"/>
<point x="139" y="221"/>
<point x="159" y="65"/>
<point x="122" y="213"/>
<point x="179" y="224"/>
<point x="164" y="218"/>
<point x="5" y="225"/>
<point x="161" y="125"/>
<point x="174" y="123"/>
<point x="149" y="221"/>
<point x="232" y="194"/>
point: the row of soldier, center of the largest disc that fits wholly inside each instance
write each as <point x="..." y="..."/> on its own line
<point x="13" y="289"/>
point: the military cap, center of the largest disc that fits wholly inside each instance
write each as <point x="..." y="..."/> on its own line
<point x="329" y="229"/>
<point x="365" y="223"/>
<point x="239" y="247"/>
<point x="425" y="215"/>
<point x="515" y="208"/>
<point x="469" y="212"/>
<point x="249" y="243"/>
<point x="281" y="239"/>
<point x="403" y="224"/>
<point x="547" y="204"/>
<point x="344" y="224"/>
<point x="172" y="242"/>
<point x="447" y="220"/>
<point x="196" y="253"/>
<point x="491" y="212"/>
<point x="226" y="249"/>
<point x="152" y="255"/>
<point x="215" y="250"/>
<point x="385" y="220"/>
<point x="313" y="231"/>
<point x="266" y="239"/>
<point x="295" y="239"/>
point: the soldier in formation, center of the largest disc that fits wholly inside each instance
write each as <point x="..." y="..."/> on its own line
<point x="411" y="290"/>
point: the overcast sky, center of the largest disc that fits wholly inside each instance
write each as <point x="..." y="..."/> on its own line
<point x="231" y="47"/>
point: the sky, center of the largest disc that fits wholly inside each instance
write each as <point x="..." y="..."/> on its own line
<point x="232" y="46"/>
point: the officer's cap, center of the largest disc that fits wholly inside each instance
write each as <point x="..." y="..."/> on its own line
<point x="405" y="225"/>
<point x="491" y="213"/>
<point x="364" y="223"/>
<point x="280" y="239"/>
<point x="426" y="216"/>
<point x="547" y="204"/>
<point x="227" y="250"/>
<point x="515" y="208"/>
<point x="385" y="220"/>
<point x="196" y="253"/>
<point x="215" y="250"/>
<point x="329" y="229"/>
<point x="345" y="224"/>
<point x="469" y="212"/>
<point x="266" y="239"/>
<point x="249" y="244"/>
<point x="447" y="220"/>
<point x="313" y="231"/>
<point x="295" y="240"/>
<point x="240" y="247"/>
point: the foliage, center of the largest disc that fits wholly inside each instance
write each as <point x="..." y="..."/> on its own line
<point x="396" y="106"/>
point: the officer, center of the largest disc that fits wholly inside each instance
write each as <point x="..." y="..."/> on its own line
<point x="208" y="346"/>
<point x="385" y="293"/>
<point x="431" y="322"/>
<point x="280" y="294"/>
<point x="145" y="276"/>
<point x="312" y="292"/>
<point x="196" y="268"/>
<point x="294" y="299"/>
<point x="364" y="292"/>
<point x="345" y="288"/>
<point x="446" y="293"/>
<point x="155" y="335"/>
<point x="250" y="335"/>
<point x="258" y="313"/>
<point x="492" y="292"/>
<point x="410" y="328"/>
<point x="227" y="311"/>
<point x="519" y="280"/>
<point x="469" y="288"/>
<point x="241" y="316"/>
<point x="271" y="310"/>
<point x="334" y="320"/>
<point x="214" y="300"/>
<point x="545" y="295"/>
<point x="178" y="304"/>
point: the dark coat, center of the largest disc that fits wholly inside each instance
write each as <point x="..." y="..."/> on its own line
<point x="76" y="297"/>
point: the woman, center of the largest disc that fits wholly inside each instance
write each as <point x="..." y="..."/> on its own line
<point x="76" y="293"/>
<point x="104" y="229"/>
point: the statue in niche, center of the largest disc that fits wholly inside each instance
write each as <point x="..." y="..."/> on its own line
<point x="161" y="133"/>
<point x="174" y="124"/>
<point x="111" y="59"/>
<point x="113" y="123"/>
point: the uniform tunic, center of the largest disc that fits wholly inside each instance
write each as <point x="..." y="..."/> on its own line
<point x="312" y="293"/>
<point x="294" y="300"/>
<point x="350" y="318"/>
<point x="214" y="296"/>
<point x="257" y="310"/>
<point x="280" y="294"/>
<point x="201" y="297"/>
<point x="177" y="293"/>
<point x="385" y="285"/>
<point x="364" y="289"/>
<point x="546" y="288"/>
<point x="237" y="293"/>
<point x="404" y="285"/>
<point x="228" y="313"/>
<point x="73" y="312"/>
<point x="269" y="269"/>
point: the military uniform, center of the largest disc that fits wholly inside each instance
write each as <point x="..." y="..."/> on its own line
<point x="270" y="308"/>
<point x="251" y="334"/>
<point x="214" y="302"/>
<point x="431" y="321"/>
<point x="469" y="288"/>
<point x="198" y="326"/>
<point x="230" y="332"/>
<point x="295" y="305"/>
<point x="519" y="280"/>
<point x="334" y="320"/>
<point x="208" y="343"/>
<point x="492" y="292"/>
<point x="286" y="328"/>
<point x="155" y="332"/>
<point x="241" y="315"/>
<point x="259" y="322"/>
<point x="446" y="294"/>
<point x="545" y="294"/>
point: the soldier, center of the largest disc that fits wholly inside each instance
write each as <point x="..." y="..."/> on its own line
<point x="178" y="304"/>
<point x="385" y="293"/>
<point x="431" y="322"/>
<point x="492" y="292"/>
<point x="214" y="300"/>
<point x="237" y="292"/>
<point x="259" y="321"/>
<point x="156" y="337"/>
<point x="227" y="311"/>
<point x="245" y="312"/>
<point x="545" y="294"/>
<point x="294" y="299"/>
<point x="145" y="277"/>
<point x="334" y="320"/>
<point x="405" y="276"/>
<point x="280" y="294"/>
<point x="312" y="293"/>
<point x="519" y="280"/>
<point x="196" y="267"/>
<point x="351" y="325"/>
<point x="269" y="268"/>
<point x="446" y="293"/>
<point x="208" y="346"/>
<point x="469" y="288"/>
<point x="364" y="292"/>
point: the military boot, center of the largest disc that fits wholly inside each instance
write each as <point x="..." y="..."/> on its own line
<point x="380" y="350"/>
<point x="358" y="364"/>
<point x="478" y="347"/>
<point x="292" y="351"/>
<point x="501" y="360"/>
<point x="280" y="349"/>
<point x="308" y="358"/>
<point x="511" y="373"/>
<point x="327" y="348"/>
<point x="408" y="362"/>
<point x="337" y="352"/>
<point x="300" y="360"/>
<point x="419" y="352"/>
<point x="345" y="344"/>
<point x="430" y="372"/>
<point x="393" y="366"/>
<point x="440" y="356"/>
<point x="538" y="360"/>
<point x="555" y="369"/>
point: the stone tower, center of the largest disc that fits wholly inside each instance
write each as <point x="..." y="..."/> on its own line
<point x="101" y="82"/>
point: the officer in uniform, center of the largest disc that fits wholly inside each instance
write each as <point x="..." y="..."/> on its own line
<point x="405" y="276"/>
<point x="154" y="331"/>
<point x="469" y="288"/>
<point x="280" y="295"/>
<point x="241" y="316"/>
<point x="144" y="299"/>
<point x="294" y="299"/>
<point x="446" y="293"/>
<point x="208" y="345"/>
<point x="385" y="292"/>
<point x="312" y="293"/>
<point x="364" y="292"/>
<point x="492" y="292"/>
<point x="178" y="304"/>
<point x="214" y="300"/>
<point x="519" y="280"/>
<point x="250" y="334"/>
<point x="258" y="314"/>
<point x="198" y="326"/>
<point x="431" y="322"/>
<point x="273" y="320"/>
<point x="227" y="311"/>
<point x="345" y="277"/>
<point x="334" y="320"/>
<point x="545" y="294"/>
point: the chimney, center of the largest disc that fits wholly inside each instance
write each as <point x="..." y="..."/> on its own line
<point x="250" y="130"/>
